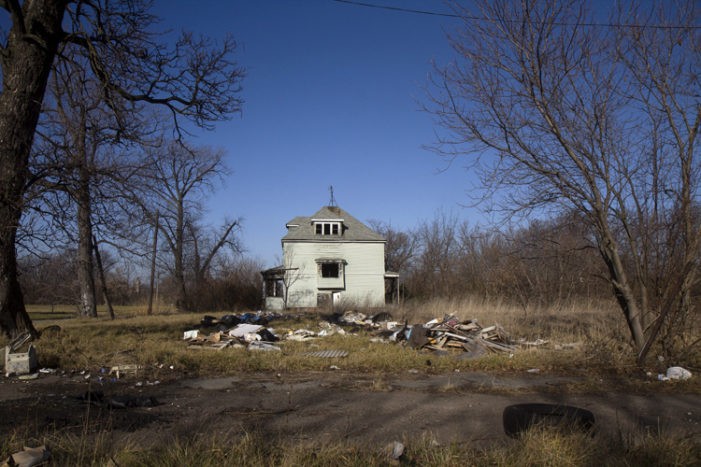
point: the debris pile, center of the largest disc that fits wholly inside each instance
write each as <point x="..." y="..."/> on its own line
<point x="440" y="334"/>
<point x="247" y="330"/>
<point x="327" y="329"/>
<point x="382" y="320"/>
<point x="451" y="333"/>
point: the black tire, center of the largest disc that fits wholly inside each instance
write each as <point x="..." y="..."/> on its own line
<point x="520" y="417"/>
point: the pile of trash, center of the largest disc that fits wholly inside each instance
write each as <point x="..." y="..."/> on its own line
<point x="327" y="329"/>
<point x="382" y="320"/>
<point x="441" y="334"/>
<point x="247" y="330"/>
<point x="449" y="332"/>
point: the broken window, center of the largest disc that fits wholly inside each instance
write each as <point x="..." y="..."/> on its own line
<point x="330" y="270"/>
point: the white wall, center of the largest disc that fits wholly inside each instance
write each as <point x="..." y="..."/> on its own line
<point x="363" y="275"/>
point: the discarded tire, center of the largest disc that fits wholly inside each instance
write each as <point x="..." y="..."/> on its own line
<point x="520" y="417"/>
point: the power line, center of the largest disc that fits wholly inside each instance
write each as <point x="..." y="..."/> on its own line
<point x="482" y="18"/>
<point x="405" y="10"/>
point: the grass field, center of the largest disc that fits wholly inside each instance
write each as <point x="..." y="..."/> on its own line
<point x="155" y="342"/>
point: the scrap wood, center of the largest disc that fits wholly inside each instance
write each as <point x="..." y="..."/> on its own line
<point x="496" y="346"/>
<point x="455" y="336"/>
<point x="449" y="332"/>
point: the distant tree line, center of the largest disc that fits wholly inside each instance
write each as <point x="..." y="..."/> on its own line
<point x="232" y="283"/>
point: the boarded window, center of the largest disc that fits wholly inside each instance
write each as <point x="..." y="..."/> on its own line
<point x="329" y="270"/>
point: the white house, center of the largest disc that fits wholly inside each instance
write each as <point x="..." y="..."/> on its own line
<point x="328" y="258"/>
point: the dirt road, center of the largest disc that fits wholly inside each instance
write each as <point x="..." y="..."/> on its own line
<point x="331" y="405"/>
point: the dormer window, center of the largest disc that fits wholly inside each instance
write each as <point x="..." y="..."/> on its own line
<point x="327" y="228"/>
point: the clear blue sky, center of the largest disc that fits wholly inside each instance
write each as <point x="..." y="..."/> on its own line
<point x="330" y="99"/>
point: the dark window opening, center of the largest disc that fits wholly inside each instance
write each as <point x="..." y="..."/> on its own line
<point x="323" y="228"/>
<point x="329" y="270"/>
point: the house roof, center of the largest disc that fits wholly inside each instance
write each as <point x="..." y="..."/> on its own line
<point x="302" y="229"/>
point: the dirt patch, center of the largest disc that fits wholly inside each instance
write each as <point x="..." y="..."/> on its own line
<point x="319" y="406"/>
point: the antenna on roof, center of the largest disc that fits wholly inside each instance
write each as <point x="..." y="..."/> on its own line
<point x="332" y="200"/>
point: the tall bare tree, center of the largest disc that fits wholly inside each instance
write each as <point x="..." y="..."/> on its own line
<point x="173" y="183"/>
<point x="194" y="78"/>
<point x="79" y="152"/>
<point x="206" y="244"/>
<point x="560" y="113"/>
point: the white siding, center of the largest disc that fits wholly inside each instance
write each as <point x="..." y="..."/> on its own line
<point x="362" y="281"/>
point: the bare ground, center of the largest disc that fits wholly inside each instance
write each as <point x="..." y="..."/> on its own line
<point x="328" y="406"/>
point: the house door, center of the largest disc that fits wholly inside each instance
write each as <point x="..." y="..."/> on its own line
<point x="324" y="300"/>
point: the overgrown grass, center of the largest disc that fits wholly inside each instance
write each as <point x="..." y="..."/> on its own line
<point x="538" y="446"/>
<point x="155" y="343"/>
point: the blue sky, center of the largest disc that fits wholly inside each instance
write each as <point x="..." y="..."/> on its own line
<point x="331" y="98"/>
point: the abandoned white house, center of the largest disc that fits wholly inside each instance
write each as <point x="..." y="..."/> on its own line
<point x="328" y="258"/>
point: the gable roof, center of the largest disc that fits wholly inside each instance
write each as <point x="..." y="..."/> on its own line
<point x="302" y="229"/>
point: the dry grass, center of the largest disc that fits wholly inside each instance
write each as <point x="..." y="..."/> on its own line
<point x="155" y="342"/>
<point x="543" y="447"/>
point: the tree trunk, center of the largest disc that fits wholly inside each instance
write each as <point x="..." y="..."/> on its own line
<point x="181" y="301"/>
<point x="153" y="267"/>
<point x="86" y="278"/>
<point x="101" y="273"/>
<point x="622" y="291"/>
<point x="28" y="55"/>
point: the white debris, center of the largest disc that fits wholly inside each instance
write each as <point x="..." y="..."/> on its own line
<point x="674" y="373"/>
<point x="242" y="329"/>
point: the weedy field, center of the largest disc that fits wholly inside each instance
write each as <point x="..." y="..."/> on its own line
<point x="601" y="360"/>
<point x="597" y="331"/>
<point x="538" y="447"/>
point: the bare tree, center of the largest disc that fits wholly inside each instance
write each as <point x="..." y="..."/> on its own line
<point x="291" y="274"/>
<point x="206" y="244"/>
<point x="79" y="152"/>
<point x="171" y="188"/>
<point x="436" y="266"/>
<point x="195" y="79"/>
<point x="561" y="114"/>
<point x="400" y="248"/>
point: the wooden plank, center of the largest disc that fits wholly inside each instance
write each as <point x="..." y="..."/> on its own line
<point x="456" y="336"/>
